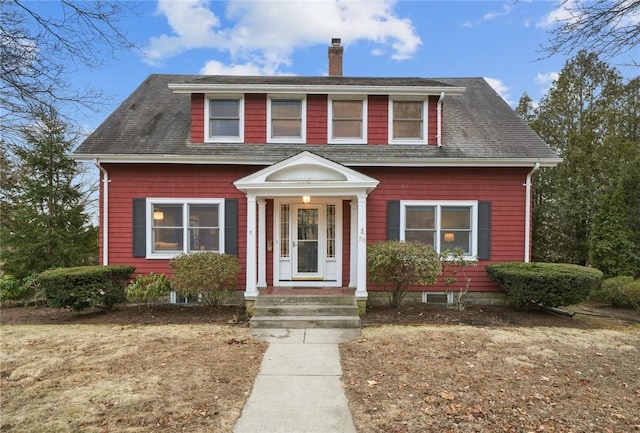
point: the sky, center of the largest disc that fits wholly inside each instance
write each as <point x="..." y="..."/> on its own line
<point x="499" y="40"/>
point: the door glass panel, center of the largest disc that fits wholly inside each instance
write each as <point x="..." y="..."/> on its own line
<point x="308" y="240"/>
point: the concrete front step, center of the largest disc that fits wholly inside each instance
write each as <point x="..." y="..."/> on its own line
<point x="298" y="322"/>
<point x="306" y="309"/>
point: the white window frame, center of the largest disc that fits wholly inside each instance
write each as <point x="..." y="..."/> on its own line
<point x="363" y="138"/>
<point x="425" y="122"/>
<point x="185" y="202"/>
<point x="303" y="119"/>
<point x="224" y="139"/>
<point x="439" y="204"/>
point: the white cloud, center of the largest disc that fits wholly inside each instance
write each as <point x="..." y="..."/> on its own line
<point x="506" y="8"/>
<point x="546" y="80"/>
<point x="263" y="34"/>
<point x="566" y="11"/>
<point x="502" y="89"/>
<point x="213" y="67"/>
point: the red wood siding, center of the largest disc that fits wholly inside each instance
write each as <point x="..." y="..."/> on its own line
<point x="378" y="119"/>
<point x="197" y="118"/>
<point x="255" y="118"/>
<point x="317" y="111"/>
<point x="502" y="187"/>
<point x="432" y="120"/>
<point x="166" y="181"/>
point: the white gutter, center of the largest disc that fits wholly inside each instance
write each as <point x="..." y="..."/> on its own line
<point x="258" y="160"/>
<point x="105" y="213"/>
<point x="527" y="212"/>
<point x="336" y="89"/>
<point x="439" y="131"/>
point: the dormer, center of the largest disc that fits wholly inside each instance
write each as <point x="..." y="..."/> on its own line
<point x="331" y="110"/>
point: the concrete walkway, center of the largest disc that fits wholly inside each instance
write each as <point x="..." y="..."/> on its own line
<point x="298" y="388"/>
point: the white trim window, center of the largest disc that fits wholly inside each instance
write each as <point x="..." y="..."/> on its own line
<point x="407" y="121"/>
<point x="286" y="119"/>
<point x="177" y="226"/>
<point x="444" y="224"/>
<point x="224" y="119"/>
<point x="347" y="120"/>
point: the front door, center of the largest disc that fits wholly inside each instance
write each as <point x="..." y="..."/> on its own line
<point x="307" y="250"/>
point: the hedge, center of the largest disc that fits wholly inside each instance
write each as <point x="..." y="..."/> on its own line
<point x="546" y="284"/>
<point x="82" y="287"/>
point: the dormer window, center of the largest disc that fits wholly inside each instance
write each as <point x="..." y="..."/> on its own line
<point x="407" y="123"/>
<point x="286" y="120"/>
<point x="347" y="121"/>
<point x="224" y="116"/>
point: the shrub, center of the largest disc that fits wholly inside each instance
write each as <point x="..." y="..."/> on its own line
<point x="620" y="291"/>
<point x="208" y="275"/>
<point x="148" y="289"/>
<point x="82" y="287"/>
<point x="25" y="290"/>
<point x="452" y="264"/>
<point x="611" y="291"/>
<point x="399" y="265"/>
<point x="547" y="284"/>
<point x="10" y="288"/>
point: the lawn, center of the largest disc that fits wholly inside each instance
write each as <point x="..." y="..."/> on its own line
<point x="181" y="369"/>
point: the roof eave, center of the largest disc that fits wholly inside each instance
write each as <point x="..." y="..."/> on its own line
<point x="413" y="162"/>
<point x="315" y="89"/>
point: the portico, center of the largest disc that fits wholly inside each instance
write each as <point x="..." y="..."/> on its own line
<point x="308" y="193"/>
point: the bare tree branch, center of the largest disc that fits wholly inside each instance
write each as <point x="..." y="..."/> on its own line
<point x="606" y="27"/>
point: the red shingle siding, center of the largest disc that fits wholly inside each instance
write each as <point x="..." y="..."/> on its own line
<point x="255" y="118"/>
<point x="166" y="181"/>
<point x="502" y="187"/>
<point x="378" y="119"/>
<point x="197" y="118"/>
<point x="432" y="120"/>
<point x="317" y="111"/>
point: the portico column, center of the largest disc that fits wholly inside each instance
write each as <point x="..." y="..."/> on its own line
<point x="361" y="280"/>
<point x="262" y="243"/>
<point x="251" y="291"/>
<point x="354" y="244"/>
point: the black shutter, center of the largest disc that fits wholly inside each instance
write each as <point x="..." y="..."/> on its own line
<point x="139" y="227"/>
<point x="231" y="226"/>
<point x="484" y="230"/>
<point x="393" y="220"/>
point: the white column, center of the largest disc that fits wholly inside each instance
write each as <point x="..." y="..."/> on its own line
<point x="262" y="243"/>
<point x="354" y="244"/>
<point x="361" y="281"/>
<point x="251" y="291"/>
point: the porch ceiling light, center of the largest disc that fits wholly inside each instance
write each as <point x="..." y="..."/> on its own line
<point x="306" y="199"/>
<point x="158" y="215"/>
<point x="449" y="237"/>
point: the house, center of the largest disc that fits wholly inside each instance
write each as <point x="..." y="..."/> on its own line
<point x="297" y="175"/>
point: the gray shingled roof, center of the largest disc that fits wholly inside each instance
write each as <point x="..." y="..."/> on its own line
<point x="153" y="123"/>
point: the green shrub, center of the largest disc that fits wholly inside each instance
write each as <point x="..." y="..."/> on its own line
<point x="611" y="291"/>
<point x="85" y="286"/>
<point x="548" y="284"/>
<point x="399" y="265"/>
<point x="148" y="289"/>
<point x="206" y="275"/>
<point x="10" y="288"/>
<point x="621" y="291"/>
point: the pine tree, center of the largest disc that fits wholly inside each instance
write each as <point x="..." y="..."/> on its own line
<point x="44" y="221"/>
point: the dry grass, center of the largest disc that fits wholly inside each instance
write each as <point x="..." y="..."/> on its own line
<point x="114" y="378"/>
<point x="474" y="379"/>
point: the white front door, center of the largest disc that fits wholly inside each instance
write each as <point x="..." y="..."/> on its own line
<point x="308" y="241"/>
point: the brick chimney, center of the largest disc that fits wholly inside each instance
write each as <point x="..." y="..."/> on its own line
<point x="335" y="58"/>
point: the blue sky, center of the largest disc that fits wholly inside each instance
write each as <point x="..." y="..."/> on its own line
<point x="498" y="40"/>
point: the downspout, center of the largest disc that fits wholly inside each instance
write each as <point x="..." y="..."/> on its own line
<point x="105" y="213"/>
<point x="527" y="216"/>
<point x="439" y="120"/>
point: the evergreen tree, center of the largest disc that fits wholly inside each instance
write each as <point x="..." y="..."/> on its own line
<point x="610" y="243"/>
<point x="582" y="119"/>
<point x="44" y="222"/>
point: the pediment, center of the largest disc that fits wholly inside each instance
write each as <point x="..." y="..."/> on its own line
<point x="303" y="170"/>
